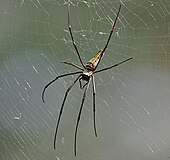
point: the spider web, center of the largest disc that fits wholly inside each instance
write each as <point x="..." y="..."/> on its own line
<point x="132" y="101"/>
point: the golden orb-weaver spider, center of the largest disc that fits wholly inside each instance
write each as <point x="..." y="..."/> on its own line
<point x="86" y="74"/>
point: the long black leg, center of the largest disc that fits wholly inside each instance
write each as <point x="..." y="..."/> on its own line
<point x="113" y="27"/>
<point x="94" y="105"/>
<point x="111" y="32"/>
<point x="61" y="109"/>
<point x="82" y="86"/>
<point x="79" y="114"/>
<point x="72" y="38"/>
<point x="68" y="74"/>
<point x="115" y="65"/>
<point x="72" y="64"/>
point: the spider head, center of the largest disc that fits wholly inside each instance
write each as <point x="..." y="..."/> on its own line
<point x="86" y="75"/>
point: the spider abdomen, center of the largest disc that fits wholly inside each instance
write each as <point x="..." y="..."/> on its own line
<point x="90" y="66"/>
<point x="93" y="63"/>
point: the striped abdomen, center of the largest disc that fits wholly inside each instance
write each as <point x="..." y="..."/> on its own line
<point x="93" y="63"/>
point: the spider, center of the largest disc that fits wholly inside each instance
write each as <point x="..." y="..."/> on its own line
<point x="86" y="74"/>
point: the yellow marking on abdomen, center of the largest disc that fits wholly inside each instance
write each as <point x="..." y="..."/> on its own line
<point x="95" y="57"/>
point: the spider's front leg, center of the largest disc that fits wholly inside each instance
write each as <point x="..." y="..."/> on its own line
<point x="61" y="109"/>
<point x="79" y="115"/>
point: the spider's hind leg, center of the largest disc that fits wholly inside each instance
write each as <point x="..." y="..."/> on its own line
<point x="74" y="65"/>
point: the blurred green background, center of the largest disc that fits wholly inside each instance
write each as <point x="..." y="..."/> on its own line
<point x="133" y="104"/>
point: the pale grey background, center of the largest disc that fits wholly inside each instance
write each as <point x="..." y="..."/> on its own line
<point x="133" y="100"/>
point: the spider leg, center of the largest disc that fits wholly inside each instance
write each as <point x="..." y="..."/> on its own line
<point x="79" y="114"/>
<point x="113" y="27"/>
<point x="80" y="83"/>
<point x="115" y="65"/>
<point x="63" y="75"/>
<point x="94" y="105"/>
<point x="72" y="38"/>
<point x="82" y="86"/>
<point x="72" y="64"/>
<point x="111" y="32"/>
<point x="61" y="109"/>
